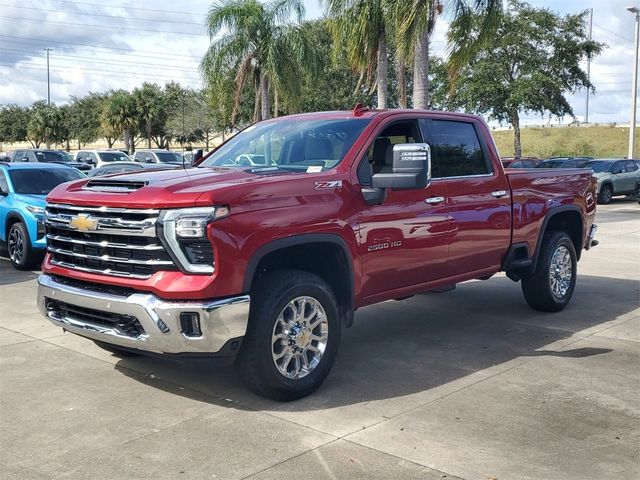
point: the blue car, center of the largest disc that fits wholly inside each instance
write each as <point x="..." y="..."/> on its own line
<point x="23" y="189"/>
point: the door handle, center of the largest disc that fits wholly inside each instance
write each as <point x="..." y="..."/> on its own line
<point x="434" y="200"/>
<point x="499" y="193"/>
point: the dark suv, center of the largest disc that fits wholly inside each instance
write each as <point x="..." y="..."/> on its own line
<point x="47" y="156"/>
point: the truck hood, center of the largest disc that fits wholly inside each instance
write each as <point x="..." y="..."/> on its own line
<point x="174" y="188"/>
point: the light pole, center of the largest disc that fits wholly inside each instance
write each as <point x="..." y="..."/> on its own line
<point x="634" y="86"/>
<point x="586" y="114"/>
<point x="48" y="84"/>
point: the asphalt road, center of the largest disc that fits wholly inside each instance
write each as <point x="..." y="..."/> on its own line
<point x="470" y="384"/>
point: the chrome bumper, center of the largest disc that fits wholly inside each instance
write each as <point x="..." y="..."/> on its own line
<point x="220" y="320"/>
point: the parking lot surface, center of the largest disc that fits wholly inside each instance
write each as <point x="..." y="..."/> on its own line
<point x="469" y="384"/>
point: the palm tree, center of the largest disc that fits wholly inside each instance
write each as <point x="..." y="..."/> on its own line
<point x="120" y="115"/>
<point x="416" y="19"/>
<point x="361" y="28"/>
<point x="264" y="46"/>
<point x="149" y="104"/>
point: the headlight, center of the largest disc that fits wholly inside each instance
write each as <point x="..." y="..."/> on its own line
<point x="184" y="233"/>
<point x="37" y="211"/>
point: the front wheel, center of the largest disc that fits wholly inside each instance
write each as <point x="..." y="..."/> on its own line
<point x="21" y="254"/>
<point x="606" y="194"/>
<point x="552" y="284"/>
<point x="292" y="338"/>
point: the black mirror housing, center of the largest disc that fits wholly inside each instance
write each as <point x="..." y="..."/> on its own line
<point x="411" y="168"/>
<point x="197" y="156"/>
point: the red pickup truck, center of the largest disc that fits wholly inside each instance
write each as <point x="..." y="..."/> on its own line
<point x="264" y="251"/>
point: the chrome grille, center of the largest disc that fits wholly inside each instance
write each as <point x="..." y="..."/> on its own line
<point x="110" y="241"/>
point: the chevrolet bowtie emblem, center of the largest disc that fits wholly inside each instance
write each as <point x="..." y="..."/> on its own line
<point x="83" y="223"/>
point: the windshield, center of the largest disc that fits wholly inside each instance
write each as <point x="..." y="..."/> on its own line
<point x="299" y="145"/>
<point x="599" y="167"/>
<point x="53" y="157"/>
<point x="114" y="157"/>
<point x="169" y="157"/>
<point x="41" y="181"/>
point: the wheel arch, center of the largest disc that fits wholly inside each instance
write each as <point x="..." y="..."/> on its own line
<point x="567" y="218"/>
<point x="324" y="254"/>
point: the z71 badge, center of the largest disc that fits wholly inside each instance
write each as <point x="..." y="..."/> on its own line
<point x="332" y="185"/>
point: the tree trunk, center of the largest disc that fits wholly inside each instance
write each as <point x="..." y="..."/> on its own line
<point x="256" y="105"/>
<point x="421" y="71"/>
<point x="80" y="146"/>
<point x="276" y="103"/>
<point x="128" y="144"/>
<point x="206" y="139"/>
<point x="517" y="145"/>
<point x="381" y="71"/>
<point x="401" y="79"/>
<point x="149" y="135"/>
<point x="264" y="96"/>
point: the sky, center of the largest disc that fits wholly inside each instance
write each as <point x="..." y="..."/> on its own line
<point x="96" y="46"/>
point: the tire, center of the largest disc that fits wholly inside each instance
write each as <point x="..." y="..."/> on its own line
<point x="264" y="357"/>
<point x="118" y="352"/>
<point x="22" y="256"/>
<point x="539" y="292"/>
<point x="605" y="195"/>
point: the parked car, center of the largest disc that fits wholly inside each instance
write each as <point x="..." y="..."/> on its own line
<point x="157" y="156"/>
<point x="99" y="158"/>
<point x="615" y="177"/>
<point x="265" y="250"/>
<point x="520" y="162"/>
<point x="47" y="156"/>
<point x="123" y="167"/>
<point x="23" y="188"/>
<point x="564" y="162"/>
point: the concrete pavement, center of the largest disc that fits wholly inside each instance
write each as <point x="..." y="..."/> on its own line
<point x="467" y="384"/>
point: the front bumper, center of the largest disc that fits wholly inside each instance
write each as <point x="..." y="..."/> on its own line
<point x="110" y="317"/>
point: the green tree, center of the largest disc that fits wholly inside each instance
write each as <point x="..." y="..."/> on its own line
<point x="84" y="118"/>
<point x="120" y="117"/>
<point x="533" y="62"/>
<point x="192" y="120"/>
<point x="264" y="46"/>
<point x="13" y="123"/>
<point x="361" y="29"/>
<point x="151" y="110"/>
<point x="44" y="124"/>
<point x="415" y="23"/>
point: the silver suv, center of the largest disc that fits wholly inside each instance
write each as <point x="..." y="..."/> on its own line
<point x="615" y="177"/>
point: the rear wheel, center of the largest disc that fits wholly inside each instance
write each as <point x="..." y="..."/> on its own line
<point x="292" y="338"/>
<point x="22" y="256"/>
<point x="552" y="284"/>
<point x="606" y="194"/>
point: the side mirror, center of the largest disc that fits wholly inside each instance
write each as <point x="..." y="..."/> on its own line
<point x="197" y="156"/>
<point x="3" y="193"/>
<point x="411" y="168"/>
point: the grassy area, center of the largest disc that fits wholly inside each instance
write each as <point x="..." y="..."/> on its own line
<point x="543" y="142"/>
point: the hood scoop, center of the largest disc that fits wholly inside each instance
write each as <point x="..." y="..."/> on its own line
<point x="119" y="186"/>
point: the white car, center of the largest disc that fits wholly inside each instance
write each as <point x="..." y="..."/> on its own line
<point x="157" y="156"/>
<point x="100" y="158"/>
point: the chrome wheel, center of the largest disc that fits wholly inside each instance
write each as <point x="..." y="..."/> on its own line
<point x="16" y="246"/>
<point x="299" y="337"/>
<point x="560" y="272"/>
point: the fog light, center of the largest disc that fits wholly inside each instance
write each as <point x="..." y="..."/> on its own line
<point x="190" y="324"/>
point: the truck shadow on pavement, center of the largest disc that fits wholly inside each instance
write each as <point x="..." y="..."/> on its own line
<point x="9" y="275"/>
<point x="411" y="346"/>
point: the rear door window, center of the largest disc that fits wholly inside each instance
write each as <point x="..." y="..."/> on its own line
<point x="456" y="150"/>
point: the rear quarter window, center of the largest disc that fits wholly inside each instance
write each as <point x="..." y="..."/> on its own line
<point x="456" y="150"/>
